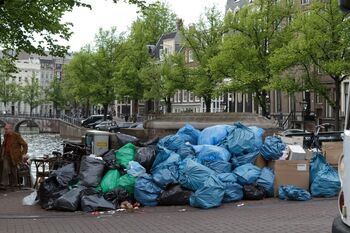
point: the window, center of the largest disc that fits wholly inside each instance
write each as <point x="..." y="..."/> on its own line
<point x="190" y="56"/>
<point x="184" y="96"/>
<point x="190" y="96"/>
<point x="20" y="79"/>
<point x="305" y="2"/>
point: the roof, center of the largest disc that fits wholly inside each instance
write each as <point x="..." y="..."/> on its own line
<point x="171" y="35"/>
<point x="235" y="4"/>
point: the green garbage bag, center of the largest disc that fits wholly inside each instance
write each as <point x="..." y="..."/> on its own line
<point x="110" y="181"/>
<point x="127" y="182"/>
<point x="125" y="154"/>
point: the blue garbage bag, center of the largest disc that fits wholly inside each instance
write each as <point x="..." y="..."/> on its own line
<point x="241" y="140"/>
<point x="162" y="154"/>
<point x="209" y="195"/>
<point x="293" y="193"/>
<point x="171" y="142"/>
<point x="214" y="135"/>
<point x="192" y="175"/>
<point x="273" y="148"/>
<point x="218" y="166"/>
<point x="167" y="172"/>
<point x="135" y="169"/>
<point x="324" y="178"/>
<point x="186" y="151"/>
<point x="189" y="134"/>
<point x="146" y="191"/>
<point x="266" y="180"/>
<point x="233" y="191"/>
<point x="326" y="183"/>
<point x="247" y="174"/>
<point x="228" y="177"/>
<point x="258" y="133"/>
<point x="317" y="163"/>
<point x="211" y="153"/>
<point x="246" y="158"/>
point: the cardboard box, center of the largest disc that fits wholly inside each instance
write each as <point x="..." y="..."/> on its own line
<point x="332" y="151"/>
<point x="296" y="152"/>
<point x="260" y="162"/>
<point x="290" y="172"/>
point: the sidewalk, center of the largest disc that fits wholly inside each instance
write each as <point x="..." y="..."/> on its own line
<point x="270" y="215"/>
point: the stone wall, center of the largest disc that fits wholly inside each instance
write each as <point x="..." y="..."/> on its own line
<point x="170" y="123"/>
<point x="70" y="131"/>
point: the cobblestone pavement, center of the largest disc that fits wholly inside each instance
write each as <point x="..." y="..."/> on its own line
<point x="270" y="215"/>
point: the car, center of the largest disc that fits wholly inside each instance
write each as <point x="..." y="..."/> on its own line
<point x="118" y="126"/>
<point x="104" y="125"/>
<point x="93" y="124"/>
<point x="137" y="126"/>
<point x="93" y="118"/>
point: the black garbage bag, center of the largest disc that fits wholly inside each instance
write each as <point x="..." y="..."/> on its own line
<point x="70" y="201"/>
<point x="95" y="202"/>
<point x="253" y="192"/>
<point x="125" y="139"/>
<point x="91" y="171"/>
<point x="150" y="142"/>
<point x="175" y="195"/>
<point x="117" y="196"/>
<point x="111" y="161"/>
<point x="49" y="191"/>
<point x="65" y="174"/>
<point x="146" y="156"/>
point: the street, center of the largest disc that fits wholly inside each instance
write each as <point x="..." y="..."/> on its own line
<point x="269" y="215"/>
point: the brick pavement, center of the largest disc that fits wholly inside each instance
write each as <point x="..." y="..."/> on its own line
<point x="270" y="215"/>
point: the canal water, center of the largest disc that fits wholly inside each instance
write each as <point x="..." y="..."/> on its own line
<point x="40" y="145"/>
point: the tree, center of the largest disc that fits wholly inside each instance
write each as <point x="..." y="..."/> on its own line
<point x="35" y="26"/>
<point x="322" y="43"/>
<point x="55" y="95"/>
<point x="9" y="91"/>
<point x="77" y="80"/>
<point x="162" y="80"/>
<point x="32" y="93"/>
<point x="146" y="30"/>
<point x="254" y="33"/>
<point x="203" y="40"/>
<point x="109" y="52"/>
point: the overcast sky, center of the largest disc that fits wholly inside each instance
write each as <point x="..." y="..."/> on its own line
<point x="107" y="14"/>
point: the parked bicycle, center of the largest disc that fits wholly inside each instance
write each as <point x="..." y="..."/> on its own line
<point x="313" y="143"/>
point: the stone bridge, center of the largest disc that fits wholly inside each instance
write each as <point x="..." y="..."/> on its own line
<point x="45" y="124"/>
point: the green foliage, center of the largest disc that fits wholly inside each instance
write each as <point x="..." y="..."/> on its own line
<point x="204" y="39"/>
<point x="162" y="80"/>
<point x="136" y="68"/>
<point x="35" y="26"/>
<point x="254" y="33"/>
<point x="32" y="93"/>
<point x="77" y="79"/>
<point x="320" y="45"/>
<point x="55" y="94"/>
<point x="9" y="91"/>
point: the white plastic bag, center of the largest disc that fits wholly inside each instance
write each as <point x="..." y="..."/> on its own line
<point x="30" y="199"/>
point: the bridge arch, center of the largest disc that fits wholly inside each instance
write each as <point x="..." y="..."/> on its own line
<point x="31" y="122"/>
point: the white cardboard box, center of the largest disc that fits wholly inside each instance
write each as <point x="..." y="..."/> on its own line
<point x="296" y="152"/>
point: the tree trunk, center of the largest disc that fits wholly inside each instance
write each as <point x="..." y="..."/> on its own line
<point x="336" y="108"/>
<point x="261" y="97"/>
<point x="105" y="110"/>
<point x="207" y="101"/>
<point x="168" y="104"/>
<point x="136" y="110"/>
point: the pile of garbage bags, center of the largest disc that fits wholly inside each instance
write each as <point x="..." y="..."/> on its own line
<point x="201" y="168"/>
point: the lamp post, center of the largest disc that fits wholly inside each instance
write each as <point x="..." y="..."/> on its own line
<point x="304" y="106"/>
